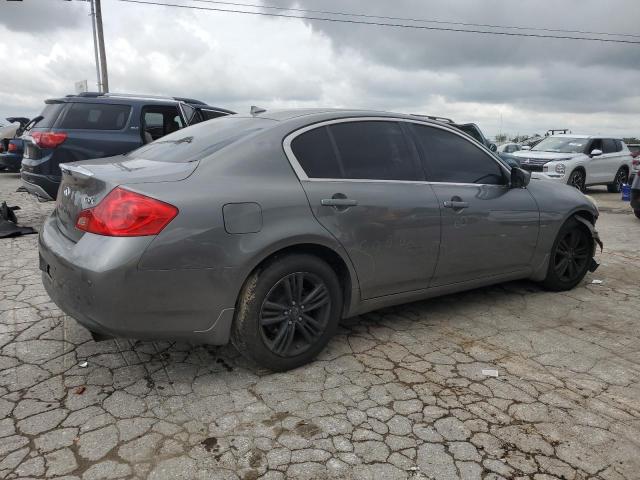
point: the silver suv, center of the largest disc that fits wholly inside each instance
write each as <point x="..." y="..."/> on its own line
<point x="268" y="229"/>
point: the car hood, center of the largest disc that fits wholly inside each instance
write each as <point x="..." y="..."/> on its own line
<point x="548" y="156"/>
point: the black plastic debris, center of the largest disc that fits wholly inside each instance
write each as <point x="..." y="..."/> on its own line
<point x="9" y="223"/>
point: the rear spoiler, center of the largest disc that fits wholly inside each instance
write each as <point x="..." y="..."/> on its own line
<point x="75" y="170"/>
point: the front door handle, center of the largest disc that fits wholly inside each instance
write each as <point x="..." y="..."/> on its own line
<point x="455" y="204"/>
<point x="338" y="202"/>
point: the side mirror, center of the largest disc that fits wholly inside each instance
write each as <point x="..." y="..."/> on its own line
<point x="493" y="147"/>
<point x="596" y="153"/>
<point x="525" y="147"/>
<point x="520" y="178"/>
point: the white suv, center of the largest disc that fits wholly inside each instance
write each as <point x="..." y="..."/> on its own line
<point x="580" y="160"/>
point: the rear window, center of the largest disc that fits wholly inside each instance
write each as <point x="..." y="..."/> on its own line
<point x="49" y="114"/>
<point x="198" y="141"/>
<point x="95" y="116"/>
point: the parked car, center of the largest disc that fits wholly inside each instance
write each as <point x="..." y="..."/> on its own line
<point x="509" y="148"/>
<point x="92" y="125"/>
<point x="634" y="148"/>
<point x="11" y="145"/>
<point x="580" y="160"/>
<point x="12" y="158"/>
<point x="268" y="229"/>
<point x="635" y="196"/>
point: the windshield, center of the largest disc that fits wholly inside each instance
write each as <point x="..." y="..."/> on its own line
<point x="198" y="141"/>
<point x="561" y="145"/>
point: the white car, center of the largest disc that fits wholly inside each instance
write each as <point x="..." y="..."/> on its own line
<point x="580" y="160"/>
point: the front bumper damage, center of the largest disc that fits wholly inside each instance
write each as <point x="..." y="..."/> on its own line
<point x="593" y="266"/>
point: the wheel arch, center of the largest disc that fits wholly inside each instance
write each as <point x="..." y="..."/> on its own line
<point x="338" y="261"/>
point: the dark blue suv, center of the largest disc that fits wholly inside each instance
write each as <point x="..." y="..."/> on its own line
<point x="94" y="125"/>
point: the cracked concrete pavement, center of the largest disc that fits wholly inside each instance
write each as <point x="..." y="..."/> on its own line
<point x="399" y="393"/>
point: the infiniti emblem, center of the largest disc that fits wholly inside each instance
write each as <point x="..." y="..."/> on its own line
<point x="66" y="192"/>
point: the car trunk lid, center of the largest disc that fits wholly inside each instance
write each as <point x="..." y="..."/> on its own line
<point x="85" y="184"/>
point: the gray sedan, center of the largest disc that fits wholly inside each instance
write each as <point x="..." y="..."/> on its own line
<point x="267" y="229"/>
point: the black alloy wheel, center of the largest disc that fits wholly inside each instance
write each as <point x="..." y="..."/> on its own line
<point x="572" y="255"/>
<point x="578" y="180"/>
<point x="621" y="179"/>
<point x="295" y="314"/>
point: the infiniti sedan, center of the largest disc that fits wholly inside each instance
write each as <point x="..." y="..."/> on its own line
<point x="265" y="230"/>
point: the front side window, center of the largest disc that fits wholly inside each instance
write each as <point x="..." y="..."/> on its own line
<point x="452" y="159"/>
<point x="95" y="116"/>
<point x="361" y="150"/>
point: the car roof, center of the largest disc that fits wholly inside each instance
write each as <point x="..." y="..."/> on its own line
<point x="311" y="115"/>
<point x="128" y="99"/>
<point x="576" y="135"/>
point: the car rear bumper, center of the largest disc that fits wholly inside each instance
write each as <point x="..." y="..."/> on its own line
<point x="42" y="186"/>
<point x="10" y="161"/>
<point x="635" y="193"/>
<point x="97" y="282"/>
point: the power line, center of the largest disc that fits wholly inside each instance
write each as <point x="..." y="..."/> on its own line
<point x="383" y="24"/>
<point x="418" y="20"/>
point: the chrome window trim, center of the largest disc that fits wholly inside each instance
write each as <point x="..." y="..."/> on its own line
<point x="302" y="176"/>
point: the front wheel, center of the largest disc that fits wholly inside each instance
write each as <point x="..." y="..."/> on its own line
<point x="578" y="179"/>
<point x="570" y="256"/>
<point x="288" y="311"/>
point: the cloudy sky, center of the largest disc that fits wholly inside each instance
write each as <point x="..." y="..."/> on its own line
<point x="511" y="84"/>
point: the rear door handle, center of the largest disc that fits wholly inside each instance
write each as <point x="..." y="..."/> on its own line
<point x="456" y="205"/>
<point x="338" y="202"/>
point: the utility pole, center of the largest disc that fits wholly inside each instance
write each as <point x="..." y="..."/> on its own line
<point x="103" y="55"/>
<point x="95" y="46"/>
<point x="98" y="44"/>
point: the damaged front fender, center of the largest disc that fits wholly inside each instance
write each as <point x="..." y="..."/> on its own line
<point x="593" y="266"/>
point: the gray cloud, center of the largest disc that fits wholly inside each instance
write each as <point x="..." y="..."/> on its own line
<point x="515" y="84"/>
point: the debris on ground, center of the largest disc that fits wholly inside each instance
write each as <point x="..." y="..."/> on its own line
<point x="488" y="372"/>
<point x="9" y="223"/>
<point x="597" y="282"/>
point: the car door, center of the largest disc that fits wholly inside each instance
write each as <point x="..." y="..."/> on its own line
<point x="365" y="185"/>
<point x="488" y="228"/>
<point x="612" y="159"/>
<point x="596" y="166"/>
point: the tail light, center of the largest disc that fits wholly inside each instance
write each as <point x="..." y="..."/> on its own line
<point x="635" y="162"/>
<point x="48" y="139"/>
<point x="12" y="147"/>
<point x="123" y="213"/>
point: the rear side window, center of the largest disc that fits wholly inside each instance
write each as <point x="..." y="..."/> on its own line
<point x="316" y="154"/>
<point x="374" y="151"/>
<point x="367" y="150"/>
<point x="618" y="145"/>
<point x="453" y="159"/>
<point x="49" y="114"/>
<point x="211" y="114"/>
<point x="95" y="116"/>
<point x="609" y="146"/>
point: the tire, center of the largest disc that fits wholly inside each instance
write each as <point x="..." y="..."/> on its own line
<point x="578" y="179"/>
<point x="637" y="212"/>
<point x="273" y="332"/>
<point x="575" y="239"/>
<point x="621" y="178"/>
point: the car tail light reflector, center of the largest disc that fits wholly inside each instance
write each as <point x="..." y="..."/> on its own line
<point x="123" y="213"/>
<point x="12" y="147"/>
<point x="48" y="139"/>
<point x="635" y="162"/>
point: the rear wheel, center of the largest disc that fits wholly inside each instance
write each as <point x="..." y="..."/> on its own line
<point x="288" y="311"/>
<point x="578" y="179"/>
<point x="570" y="256"/>
<point x="620" y="179"/>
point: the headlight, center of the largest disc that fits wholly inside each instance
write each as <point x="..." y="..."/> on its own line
<point x="560" y="168"/>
